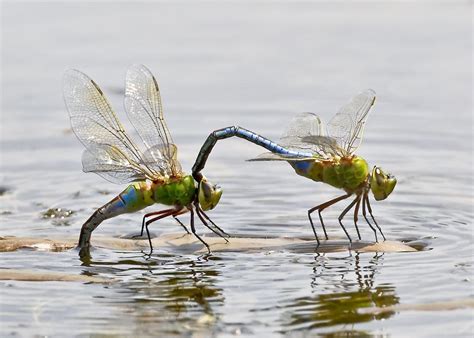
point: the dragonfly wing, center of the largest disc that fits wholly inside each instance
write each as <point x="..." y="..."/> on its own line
<point x="110" y="163"/>
<point x="94" y="122"/>
<point x="304" y="124"/>
<point x="325" y="146"/>
<point x="304" y="133"/>
<point x="153" y="156"/>
<point x="145" y="111"/>
<point x="347" y="126"/>
<point x="269" y="156"/>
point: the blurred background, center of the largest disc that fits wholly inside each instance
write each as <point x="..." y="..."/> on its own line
<point x="254" y="64"/>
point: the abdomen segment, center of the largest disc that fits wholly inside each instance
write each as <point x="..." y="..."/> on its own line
<point x="239" y="132"/>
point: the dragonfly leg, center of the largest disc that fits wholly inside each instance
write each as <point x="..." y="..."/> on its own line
<point x="320" y="208"/>
<point x="198" y="212"/>
<point x="148" y="215"/>
<point x="356" y="214"/>
<point x="364" y="213"/>
<point x="181" y="223"/>
<point x="170" y="212"/>
<point x="372" y="216"/>
<point x="341" y="216"/>
<point x="198" y="207"/>
<point x="193" y="229"/>
<point x="322" y="224"/>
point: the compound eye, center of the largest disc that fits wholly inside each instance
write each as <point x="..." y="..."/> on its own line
<point x="380" y="178"/>
<point x="206" y="189"/>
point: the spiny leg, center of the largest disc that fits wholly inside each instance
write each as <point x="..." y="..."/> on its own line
<point x="364" y="213"/>
<point x="341" y="216"/>
<point x="198" y="207"/>
<point x="198" y="212"/>
<point x="320" y="208"/>
<point x="163" y="215"/>
<point x="356" y="214"/>
<point x="322" y="224"/>
<point x="326" y="205"/>
<point x="151" y="214"/>
<point x="181" y="223"/>
<point x="194" y="230"/>
<point x="372" y="216"/>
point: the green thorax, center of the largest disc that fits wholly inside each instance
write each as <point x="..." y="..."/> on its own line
<point x="176" y="192"/>
<point x="347" y="173"/>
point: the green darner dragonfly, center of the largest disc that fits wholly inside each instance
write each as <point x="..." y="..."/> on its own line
<point x="155" y="174"/>
<point x="322" y="157"/>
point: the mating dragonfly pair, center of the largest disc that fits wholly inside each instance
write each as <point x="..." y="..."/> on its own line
<point x="155" y="175"/>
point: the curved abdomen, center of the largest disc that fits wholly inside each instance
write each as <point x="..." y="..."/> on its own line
<point x="245" y="134"/>
<point x="135" y="197"/>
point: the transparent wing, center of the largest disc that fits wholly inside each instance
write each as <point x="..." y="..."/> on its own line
<point x="153" y="156"/>
<point x="96" y="125"/>
<point x="269" y="156"/>
<point x="145" y="111"/>
<point x="347" y="126"/>
<point x="110" y="163"/>
<point x="304" y="133"/>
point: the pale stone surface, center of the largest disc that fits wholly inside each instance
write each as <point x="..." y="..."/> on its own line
<point x="47" y="276"/>
<point x="190" y="244"/>
<point x="182" y="243"/>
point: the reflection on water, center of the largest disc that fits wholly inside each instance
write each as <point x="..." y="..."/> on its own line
<point x="341" y="292"/>
<point x="166" y="295"/>
<point x="172" y="295"/>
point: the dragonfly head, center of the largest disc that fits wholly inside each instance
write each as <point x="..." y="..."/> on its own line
<point x="381" y="184"/>
<point x="208" y="194"/>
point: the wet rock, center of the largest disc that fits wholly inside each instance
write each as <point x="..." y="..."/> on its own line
<point x="47" y="276"/>
<point x="11" y="243"/>
<point x="184" y="243"/>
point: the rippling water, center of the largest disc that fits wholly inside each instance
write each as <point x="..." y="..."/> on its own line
<point x="255" y="65"/>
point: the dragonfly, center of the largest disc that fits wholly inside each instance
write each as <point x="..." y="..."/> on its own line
<point x="323" y="156"/>
<point x="153" y="171"/>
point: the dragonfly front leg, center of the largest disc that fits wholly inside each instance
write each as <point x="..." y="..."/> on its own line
<point x="198" y="212"/>
<point x="193" y="229"/>
<point x="356" y="214"/>
<point x="372" y="216"/>
<point x="320" y="208"/>
<point x="181" y="223"/>
<point x="341" y="217"/>
<point x="364" y="213"/>
<point x="198" y="207"/>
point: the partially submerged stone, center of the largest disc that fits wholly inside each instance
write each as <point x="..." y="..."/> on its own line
<point x="47" y="276"/>
<point x="184" y="243"/>
<point x="179" y="243"/>
<point x="12" y="243"/>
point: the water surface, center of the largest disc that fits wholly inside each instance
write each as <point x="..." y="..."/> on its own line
<point x="255" y="65"/>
